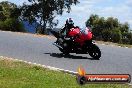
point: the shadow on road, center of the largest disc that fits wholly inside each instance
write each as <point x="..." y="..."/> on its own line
<point x="60" y="55"/>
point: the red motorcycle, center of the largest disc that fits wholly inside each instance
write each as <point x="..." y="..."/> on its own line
<point x="77" y="41"/>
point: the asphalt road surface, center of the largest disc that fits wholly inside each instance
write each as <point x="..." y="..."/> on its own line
<point x="40" y="50"/>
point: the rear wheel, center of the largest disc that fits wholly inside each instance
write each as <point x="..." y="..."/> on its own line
<point x="94" y="51"/>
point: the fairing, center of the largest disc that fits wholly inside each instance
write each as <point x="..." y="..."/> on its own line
<point x="83" y="35"/>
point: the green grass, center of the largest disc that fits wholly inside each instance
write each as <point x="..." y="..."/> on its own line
<point x="14" y="74"/>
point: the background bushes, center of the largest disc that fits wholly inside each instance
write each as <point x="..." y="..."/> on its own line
<point x="109" y="29"/>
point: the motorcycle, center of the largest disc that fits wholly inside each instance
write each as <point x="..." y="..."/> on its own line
<point x="77" y="41"/>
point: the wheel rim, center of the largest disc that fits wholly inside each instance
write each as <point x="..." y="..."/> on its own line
<point x="95" y="52"/>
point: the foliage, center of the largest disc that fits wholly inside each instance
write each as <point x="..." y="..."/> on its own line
<point x="124" y="28"/>
<point x="106" y="35"/>
<point x="11" y="24"/>
<point x="127" y="38"/>
<point x="45" y="11"/>
<point x="6" y="8"/>
<point x="116" y="35"/>
<point x="109" y="29"/>
<point x="9" y="14"/>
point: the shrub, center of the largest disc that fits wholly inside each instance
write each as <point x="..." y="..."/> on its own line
<point x="130" y="41"/>
<point x="116" y="35"/>
<point x="11" y="24"/>
<point x="1" y="25"/>
<point x="106" y="35"/>
<point x="127" y="38"/>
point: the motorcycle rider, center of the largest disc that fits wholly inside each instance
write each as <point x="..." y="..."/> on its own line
<point x="69" y="24"/>
<point x="65" y="30"/>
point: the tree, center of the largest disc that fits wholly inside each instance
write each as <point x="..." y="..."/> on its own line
<point x="116" y="35"/>
<point x="45" y="11"/>
<point x="9" y="14"/>
<point x="106" y="35"/>
<point x="124" y="28"/>
<point x="2" y="16"/>
<point x="9" y="10"/>
<point x="130" y="42"/>
<point x="6" y="8"/>
<point x="93" y="22"/>
<point x="109" y="29"/>
<point x="112" y="23"/>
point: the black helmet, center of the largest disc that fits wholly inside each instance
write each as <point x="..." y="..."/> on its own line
<point x="69" y="22"/>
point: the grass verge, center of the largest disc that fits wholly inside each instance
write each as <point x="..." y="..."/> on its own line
<point x="16" y="74"/>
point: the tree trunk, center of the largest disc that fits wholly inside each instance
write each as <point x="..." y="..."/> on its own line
<point x="43" y="28"/>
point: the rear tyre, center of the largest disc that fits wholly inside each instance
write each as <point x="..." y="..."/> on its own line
<point x="94" y="51"/>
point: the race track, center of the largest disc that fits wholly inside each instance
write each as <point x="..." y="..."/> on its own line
<point x="40" y="50"/>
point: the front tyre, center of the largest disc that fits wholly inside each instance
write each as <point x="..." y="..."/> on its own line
<point x="64" y="51"/>
<point x="94" y="51"/>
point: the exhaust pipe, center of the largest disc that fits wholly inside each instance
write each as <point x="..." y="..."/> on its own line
<point x="57" y="45"/>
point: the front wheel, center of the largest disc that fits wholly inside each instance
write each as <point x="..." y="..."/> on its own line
<point x="94" y="51"/>
<point x="64" y="51"/>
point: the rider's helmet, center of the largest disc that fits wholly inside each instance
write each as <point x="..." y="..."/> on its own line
<point x="69" y="23"/>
